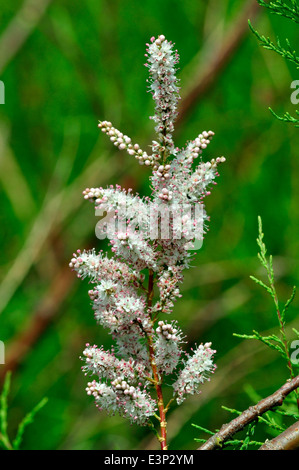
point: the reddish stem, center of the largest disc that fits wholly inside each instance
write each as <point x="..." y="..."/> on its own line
<point x="157" y="380"/>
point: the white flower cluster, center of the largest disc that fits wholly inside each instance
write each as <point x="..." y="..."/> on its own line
<point x="131" y="311"/>
<point x="118" y="306"/>
<point x="167" y="331"/>
<point x="98" y="267"/>
<point x="106" y="365"/>
<point x="123" y="142"/>
<point x="168" y="281"/>
<point x="168" y="342"/>
<point x="119" y="397"/>
<point x="161" y="61"/>
<point x="116" y="393"/>
<point x="196" y="372"/>
<point x="135" y="249"/>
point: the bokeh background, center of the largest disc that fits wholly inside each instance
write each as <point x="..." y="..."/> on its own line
<point x="66" y="65"/>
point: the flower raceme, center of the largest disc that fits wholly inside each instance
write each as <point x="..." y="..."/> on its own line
<point x="151" y="239"/>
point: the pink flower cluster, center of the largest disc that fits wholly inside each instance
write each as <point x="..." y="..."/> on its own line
<point x="161" y="62"/>
<point x="133" y="289"/>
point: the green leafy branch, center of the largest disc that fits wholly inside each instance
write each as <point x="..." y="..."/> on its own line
<point x="279" y="7"/>
<point x="289" y="11"/>
<point x="268" y="341"/>
<point x="237" y="444"/>
<point x="287" y="53"/>
<point x="5" y="441"/>
<point x="260" y="413"/>
<point x="286" y="117"/>
<point x="279" y="344"/>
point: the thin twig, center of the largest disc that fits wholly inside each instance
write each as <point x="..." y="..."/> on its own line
<point x="249" y="415"/>
<point x="287" y="440"/>
<point x="157" y="380"/>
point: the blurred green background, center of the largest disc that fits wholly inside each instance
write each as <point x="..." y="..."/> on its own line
<point x="68" y="64"/>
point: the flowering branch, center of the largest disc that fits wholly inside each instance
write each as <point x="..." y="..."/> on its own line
<point x="151" y="238"/>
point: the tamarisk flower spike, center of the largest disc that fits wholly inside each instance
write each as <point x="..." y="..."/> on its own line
<point x="147" y="347"/>
<point x="161" y="62"/>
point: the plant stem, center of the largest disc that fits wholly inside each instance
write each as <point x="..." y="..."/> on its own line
<point x="287" y="440"/>
<point x="157" y="379"/>
<point x="5" y="441"/>
<point x="251" y="414"/>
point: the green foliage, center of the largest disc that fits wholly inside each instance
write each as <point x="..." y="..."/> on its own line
<point x="276" y="343"/>
<point x="287" y="53"/>
<point x="3" y="413"/>
<point x="234" y="444"/>
<point x="5" y="441"/>
<point x="290" y="11"/>
<point x="279" y="344"/>
<point x="286" y="117"/>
